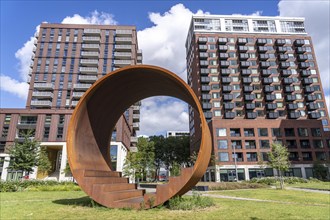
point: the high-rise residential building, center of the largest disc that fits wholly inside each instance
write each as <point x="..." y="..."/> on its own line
<point x="67" y="59"/>
<point x="258" y="82"/>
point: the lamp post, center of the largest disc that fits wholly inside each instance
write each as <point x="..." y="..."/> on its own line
<point x="235" y="160"/>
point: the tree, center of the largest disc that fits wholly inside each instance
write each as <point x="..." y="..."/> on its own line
<point x="320" y="170"/>
<point x="27" y="155"/>
<point x="279" y="160"/>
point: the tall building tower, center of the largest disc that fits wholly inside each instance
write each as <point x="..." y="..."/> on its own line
<point x="258" y="82"/>
<point x="67" y="59"/>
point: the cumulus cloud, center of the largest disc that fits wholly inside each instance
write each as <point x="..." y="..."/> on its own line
<point x="161" y="114"/>
<point x="163" y="44"/>
<point x="327" y="100"/>
<point x="94" y="18"/>
<point x="20" y="89"/>
<point x="318" y="26"/>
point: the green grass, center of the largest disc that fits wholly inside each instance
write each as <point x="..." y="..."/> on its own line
<point x="311" y="185"/>
<point x="76" y="205"/>
<point x="299" y="197"/>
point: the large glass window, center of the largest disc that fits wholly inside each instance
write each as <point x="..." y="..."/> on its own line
<point x="316" y="132"/>
<point x="289" y="132"/>
<point x="222" y="144"/>
<point x="221" y="132"/>
<point x="264" y="144"/>
<point x="223" y="157"/>
<point x="276" y="132"/>
<point x="262" y="132"/>
<point x="303" y="132"/>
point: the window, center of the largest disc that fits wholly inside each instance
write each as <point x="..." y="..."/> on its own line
<point x="316" y="132"/>
<point x="250" y="145"/>
<point x="318" y="144"/>
<point x="276" y="132"/>
<point x="217" y="113"/>
<point x="7" y="119"/>
<point x="289" y="132"/>
<point x="262" y="132"/>
<point x="221" y="132"/>
<point x="291" y="143"/>
<point x="235" y="132"/>
<point x="5" y="131"/>
<point x="222" y="144"/>
<point x="46" y="132"/>
<point x="216" y="104"/>
<point x="305" y="144"/>
<point x="248" y="132"/>
<point x="59" y="133"/>
<point x="264" y="144"/>
<point x="237" y="144"/>
<point x="223" y="157"/>
<point x="303" y="132"/>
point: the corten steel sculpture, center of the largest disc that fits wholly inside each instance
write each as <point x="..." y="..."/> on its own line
<point x="93" y="121"/>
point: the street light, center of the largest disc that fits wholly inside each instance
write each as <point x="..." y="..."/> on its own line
<point x="235" y="155"/>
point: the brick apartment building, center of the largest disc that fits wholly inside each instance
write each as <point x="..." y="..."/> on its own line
<point x="258" y="82"/>
<point x="67" y="59"/>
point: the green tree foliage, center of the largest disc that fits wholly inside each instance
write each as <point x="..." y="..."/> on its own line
<point x="320" y="170"/>
<point x="27" y="155"/>
<point x="279" y="160"/>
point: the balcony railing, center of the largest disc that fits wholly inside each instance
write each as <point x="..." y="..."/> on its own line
<point x="41" y="103"/>
<point x="123" y="47"/>
<point x="123" y="62"/>
<point x="90" y="46"/>
<point x="43" y="94"/>
<point x="79" y="86"/>
<point x="88" y="70"/>
<point x="89" y="54"/>
<point x="123" y="32"/>
<point x="89" y="62"/>
<point x="77" y="94"/>
<point x="87" y="78"/>
<point x="43" y="86"/>
<point x="92" y="31"/>
<point x="91" y="39"/>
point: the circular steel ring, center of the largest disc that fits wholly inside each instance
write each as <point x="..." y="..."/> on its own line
<point x="95" y="117"/>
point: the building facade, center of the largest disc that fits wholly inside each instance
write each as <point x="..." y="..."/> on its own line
<point x="67" y="59"/>
<point x="258" y="82"/>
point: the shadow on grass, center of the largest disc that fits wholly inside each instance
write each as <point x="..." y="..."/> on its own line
<point x="83" y="201"/>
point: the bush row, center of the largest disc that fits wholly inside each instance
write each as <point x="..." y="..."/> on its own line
<point x="288" y="180"/>
<point x="231" y="185"/>
<point x="37" y="185"/>
<point x="190" y="202"/>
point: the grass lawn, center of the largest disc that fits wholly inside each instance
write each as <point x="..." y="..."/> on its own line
<point x="300" y="197"/>
<point x="75" y="205"/>
<point x="311" y="185"/>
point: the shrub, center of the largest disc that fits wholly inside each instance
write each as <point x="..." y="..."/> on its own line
<point x="35" y="185"/>
<point x="231" y="185"/>
<point x="274" y="180"/>
<point x="190" y="202"/>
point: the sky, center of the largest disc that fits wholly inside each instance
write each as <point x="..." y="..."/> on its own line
<point x="162" y="29"/>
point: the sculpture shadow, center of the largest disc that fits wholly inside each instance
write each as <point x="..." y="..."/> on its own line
<point x="85" y="201"/>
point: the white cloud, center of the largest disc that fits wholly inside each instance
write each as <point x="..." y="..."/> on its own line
<point x="164" y="43"/>
<point x="317" y="25"/>
<point x="13" y="86"/>
<point x="257" y="13"/>
<point x="94" y="18"/>
<point x="327" y="101"/>
<point x="160" y="114"/>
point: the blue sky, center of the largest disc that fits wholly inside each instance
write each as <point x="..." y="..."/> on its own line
<point x="19" y="20"/>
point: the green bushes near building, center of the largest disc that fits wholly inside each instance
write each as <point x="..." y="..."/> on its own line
<point x="37" y="185"/>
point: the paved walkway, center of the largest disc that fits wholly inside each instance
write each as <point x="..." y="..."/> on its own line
<point x="309" y="190"/>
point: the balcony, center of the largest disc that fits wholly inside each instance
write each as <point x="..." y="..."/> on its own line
<point x="309" y="89"/>
<point x="123" y="39"/>
<point x="304" y="65"/>
<point x="134" y="139"/>
<point x="286" y="73"/>
<point x="250" y="97"/>
<point x="206" y="106"/>
<point x="136" y="126"/>
<point x="269" y="89"/>
<point x="228" y="97"/>
<point x="136" y="117"/>
<point x="242" y="41"/>
<point x="228" y="105"/>
<point x="243" y="48"/>
<point x="248" y="88"/>
<point x="80" y="86"/>
<point x="305" y="73"/>
<point x="266" y="72"/>
<point x="247" y="80"/>
<point x="292" y="106"/>
<point x="77" y="94"/>
<point x="91" y="39"/>
<point x="202" y="47"/>
<point x="272" y="115"/>
<point x="124" y="32"/>
<point x="250" y="106"/>
<point x="288" y="89"/>
<point x="91" y="47"/>
<point x="226" y="80"/>
<point x="43" y="94"/>
<point x="223" y="48"/>
<point x="294" y="115"/>
<point x="123" y="47"/>
<point x="283" y="57"/>
<point x="290" y="98"/>
<point x="271" y="106"/>
<point x="206" y="97"/>
<point x="270" y="97"/>
<point x="287" y="81"/>
<point x="267" y="80"/>
<point x="314" y="115"/>
<point x="224" y="63"/>
<point x="251" y="115"/>
<point x="225" y="72"/>
<point x="124" y="55"/>
<point x="38" y="103"/>
<point x="74" y="103"/>
<point x="205" y="80"/>
<point x="222" y="40"/>
<point x="243" y="56"/>
<point x="302" y="57"/>
<point x="87" y="78"/>
<point x="280" y="42"/>
<point x="89" y="62"/>
<point x="44" y="86"/>
<point x="307" y="81"/>
<point x="226" y="89"/>
<point x="230" y="115"/>
<point x="90" y="70"/>
<point x="246" y="72"/>
<point x="300" y="50"/>
<point x="136" y="109"/>
<point x="206" y="88"/>
<point x="122" y="63"/>
<point x="261" y="41"/>
<point x="299" y="42"/>
<point x="223" y="56"/>
<point x="312" y="106"/>
<point x="311" y="98"/>
<point x="202" y="40"/>
<point x="90" y="31"/>
<point x="89" y="54"/>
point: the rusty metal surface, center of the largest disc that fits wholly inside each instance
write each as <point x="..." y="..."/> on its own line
<point x="95" y="117"/>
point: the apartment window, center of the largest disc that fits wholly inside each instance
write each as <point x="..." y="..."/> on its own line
<point x="221" y="132"/>
<point x="305" y="144"/>
<point x="7" y="119"/>
<point x="303" y="132"/>
<point x="316" y="132"/>
<point x="264" y="144"/>
<point x="276" y="132"/>
<point x="223" y="157"/>
<point x="248" y="132"/>
<point x="235" y="132"/>
<point x="216" y="104"/>
<point x="222" y="144"/>
<point x="251" y="157"/>
<point x="2" y="150"/>
<point x="4" y="131"/>
<point x="318" y="144"/>
<point x="237" y="144"/>
<point x="289" y="132"/>
<point x="61" y="119"/>
<point x="46" y="132"/>
<point x="250" y="145"/>
<point x="217" y="113"/>
<point x="262" y="132"/>
<point x="59" y="133"/>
